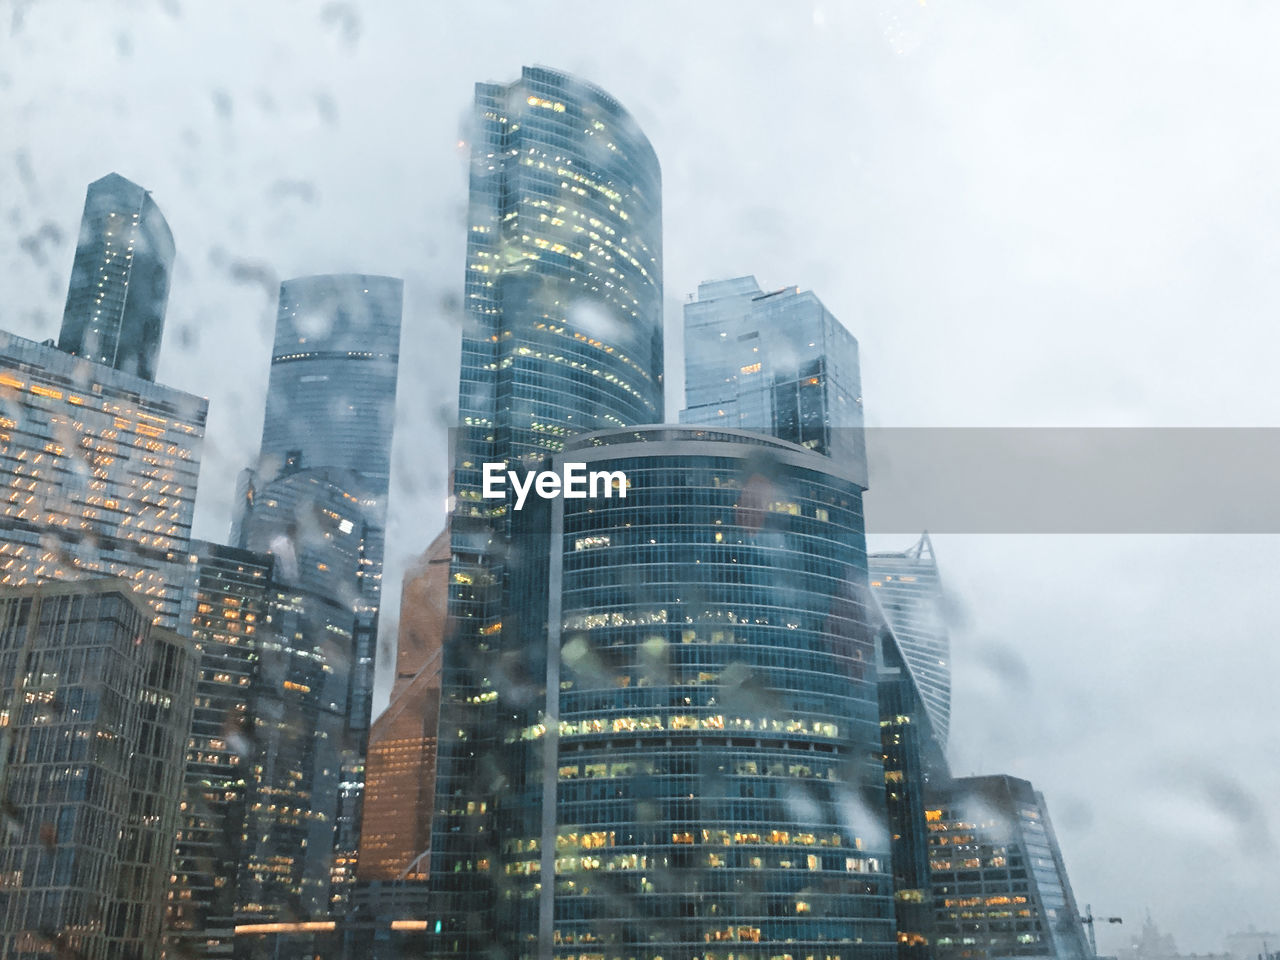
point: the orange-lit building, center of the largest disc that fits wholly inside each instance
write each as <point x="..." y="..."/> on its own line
<point x="98" y="473"/>
<point x="401" y="767"/>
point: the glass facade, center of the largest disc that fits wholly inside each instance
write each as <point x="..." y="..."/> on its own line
<point x="316" y="501"/>
<point x="331" y="394"/>
<point x="98" y="473"/>
<point x="224" y="611"/>
<point x="1000" y="888"/>
<point x="910" y="594"/>
<point x="564" y="274"/>
<point x="776" y="362"/>
<point x="120" y="279"/>
<point x="914" y="763"/>
<point x="95" y="704"/>
<point x="401" y="771"/>
<point x="562" y="335"/>
<point x="310" y="698"/>
<point x="693" y="768"/>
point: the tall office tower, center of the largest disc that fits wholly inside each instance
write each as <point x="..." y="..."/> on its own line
<point x="331" y="395"/>
<point x="424" y="613"/>
<point x="776" y="362"/>
<point x="119" y="280"/>
<point x="316" y="501"/>
<point x="400" y="776"/>
<point x="914" y="765"/>
<point x="910" y="594"/>
<point x="98" y="473"/>
<point x="96" y="702"/>
<point x="693" y="766"/>
<point x="224" y="611"/>
<point x="1000" y="887"/>
<point x="563" y="334"/>
<point x="401" y="771"/>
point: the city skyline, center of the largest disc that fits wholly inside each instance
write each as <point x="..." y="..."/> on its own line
<point x="1000" y="665"/>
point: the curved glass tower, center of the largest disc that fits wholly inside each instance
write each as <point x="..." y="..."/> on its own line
<point x="564" y="273"/>
<point x="702" y="776"/>
<point x="120" y="279"/>
<point x="563" y="335"/>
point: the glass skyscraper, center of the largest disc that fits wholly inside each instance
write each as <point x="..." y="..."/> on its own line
<point x="401" y="768"/>
<point x="119" y="280"/>
<point x="910" y="594"/>
<point x="777" y="362"/>
<point x="98" y="471"/>
<point x="224" y="611"/>
<point x="914" y="765"/>
<point x="692" y="751"/>
<point x="331" y="395"/>
<point x="563" y="334"/>
<point x="95" y="706"/>
<point x="316" y="501"/>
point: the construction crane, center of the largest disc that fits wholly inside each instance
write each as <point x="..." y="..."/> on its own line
<point x="1088" y="920"/>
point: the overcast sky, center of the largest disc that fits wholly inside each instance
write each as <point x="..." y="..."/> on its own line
<point x="1029" y="215"/>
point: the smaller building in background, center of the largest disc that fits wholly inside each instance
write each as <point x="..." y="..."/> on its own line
<point x="95" y="705"/>
<point x="224" y="611"/>
<point x="98" y="472"/>
<point x="999" y="885"/>
<point x="776" y="362"/>
<point x="1253" y="944"/>
<point x="119" y="280"/>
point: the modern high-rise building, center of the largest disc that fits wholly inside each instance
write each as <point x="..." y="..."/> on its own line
<point x="316" y="501"/>
<point x="776" y="362"/>
<point x="119" y="280"/>
<point x="224" y="612"/>
<point x="401" y="769"/>
<point x="1000" y="886"/>
<point x="331" y="394"/>
<point x="392" y="893"/>
<point x="914" y="766"/>
<point x="910" y="594"/>
<point x="690" y="734"/>
<point x="331" y="403"/>
<point x="564" y="274"/>
<point x="563" y="334"/>
<point x="98" y="471"/>
<point x="95" y="705"/>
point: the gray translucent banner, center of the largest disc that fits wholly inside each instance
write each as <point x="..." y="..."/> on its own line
<point x="1073" y="480"/>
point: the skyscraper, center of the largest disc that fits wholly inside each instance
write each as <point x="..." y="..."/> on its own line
<point x="119" y="280"/>
<point x="564" y="274"/>
<point x="563" y="334"/>
<point x="224" y="612"/>
<point x="96" y="705"/>
<point x="98" y="472"/>
<point x="777" y="362"/>
<point x="401" y="769"/>
<point x="910" y="594"/>
<point x="691" y="745"/>
<point x="1000" y="886"/>
<point x="316" y="501"/>
<point x="331" y="394"/>
<point x="914" y="766"/>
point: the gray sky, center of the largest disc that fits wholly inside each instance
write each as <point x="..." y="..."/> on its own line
<point x="1031" y="215"/>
